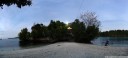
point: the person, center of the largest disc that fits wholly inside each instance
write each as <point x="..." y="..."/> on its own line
<point x="106" y="43"/>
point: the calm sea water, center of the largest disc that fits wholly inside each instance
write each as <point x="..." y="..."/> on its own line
<point x="13" y="44"/>
<point x="9" y="44"/>
<point x="113" y="41"/>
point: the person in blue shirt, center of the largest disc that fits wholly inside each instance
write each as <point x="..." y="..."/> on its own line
<point x="106" y="43"/>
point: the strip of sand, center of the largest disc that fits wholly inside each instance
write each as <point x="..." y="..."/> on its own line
<point x="67" y="50"/>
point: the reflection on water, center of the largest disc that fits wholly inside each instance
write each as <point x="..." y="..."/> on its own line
<point x="27" y="44"/>
<point x="113" y="41"/>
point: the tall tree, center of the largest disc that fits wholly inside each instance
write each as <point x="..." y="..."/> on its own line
<point x="19" y="3"/>
<point x="24" y="35"/>
<point x="78" y="30"/>
<point x="92" y="25"/>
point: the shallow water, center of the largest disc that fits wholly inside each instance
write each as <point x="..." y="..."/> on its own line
<point x="113" y="41"/>
<point x="14" y="44"/>
<point x="9" y="44"/>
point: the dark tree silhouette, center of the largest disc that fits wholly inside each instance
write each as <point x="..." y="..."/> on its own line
<point x="78" y="30"/>
<point x="39" y="31"/>
<point x="24" y="35"/>
<point x="57" y="30"/>
<point x="19" y="3"/>
<point x="91" y="33"/>
<point x="92" y="25"/>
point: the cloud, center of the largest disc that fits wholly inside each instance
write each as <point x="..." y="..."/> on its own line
<point x="5" y="23"/>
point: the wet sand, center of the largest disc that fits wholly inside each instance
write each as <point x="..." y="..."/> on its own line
<point x="67" y="50"/>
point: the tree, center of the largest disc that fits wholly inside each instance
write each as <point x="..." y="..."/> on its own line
<point x="90" y="19"/>
<point x="92" y="25"/>
<point x="19" y="3"/>
<point x="78" y="30"/>
<point x="57" y="30"/>
<point x="24" y="35"/>
<point x="39" y="31"/>
<point x="91" y="33"/>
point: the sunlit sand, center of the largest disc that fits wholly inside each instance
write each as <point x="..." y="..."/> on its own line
<point x="67" y="50"/>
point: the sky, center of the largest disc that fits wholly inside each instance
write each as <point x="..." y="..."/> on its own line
<point x="113" y="14"/>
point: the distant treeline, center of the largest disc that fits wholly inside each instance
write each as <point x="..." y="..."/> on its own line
<point x="114" y="33"/>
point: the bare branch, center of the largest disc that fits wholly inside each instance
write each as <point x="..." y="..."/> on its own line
<point x="90" y="19"/>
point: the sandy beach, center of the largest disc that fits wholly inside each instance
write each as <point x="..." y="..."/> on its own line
<point x="67" y="50"/>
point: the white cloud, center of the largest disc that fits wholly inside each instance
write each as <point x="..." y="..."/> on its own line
<point x="5" y="23"/>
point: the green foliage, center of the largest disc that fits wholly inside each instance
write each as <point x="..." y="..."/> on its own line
<point x="83" y="33"/>
<point x="19" y="3"/>
<point x="24" y="35"/>
<point x="114" y="33"/>
<point x="78" y="30"/>
<point x="91" y="33"/>
<point x="57" y="30"/>
<point x="38" y="31"/>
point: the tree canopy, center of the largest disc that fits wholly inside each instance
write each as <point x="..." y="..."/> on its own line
<point x="38" y="31"/>
<point x="78" y="30"/>
<point x="18" y="3"/>
<point x="57" y="30"/>
<point x="24" y="35"/>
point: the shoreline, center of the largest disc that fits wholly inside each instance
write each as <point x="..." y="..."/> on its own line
<point x="66" y="50"/>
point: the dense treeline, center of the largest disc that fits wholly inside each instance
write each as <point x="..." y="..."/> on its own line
<point x="79" y="31"/>
<point x="114" y="33"/>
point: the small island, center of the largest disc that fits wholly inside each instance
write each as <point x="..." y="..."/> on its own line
<point x="78" y="31"/>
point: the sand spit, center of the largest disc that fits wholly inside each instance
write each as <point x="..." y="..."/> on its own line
<point x="66" y="50"/>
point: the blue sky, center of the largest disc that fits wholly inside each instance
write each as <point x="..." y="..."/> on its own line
<point x="113" y="14"/>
